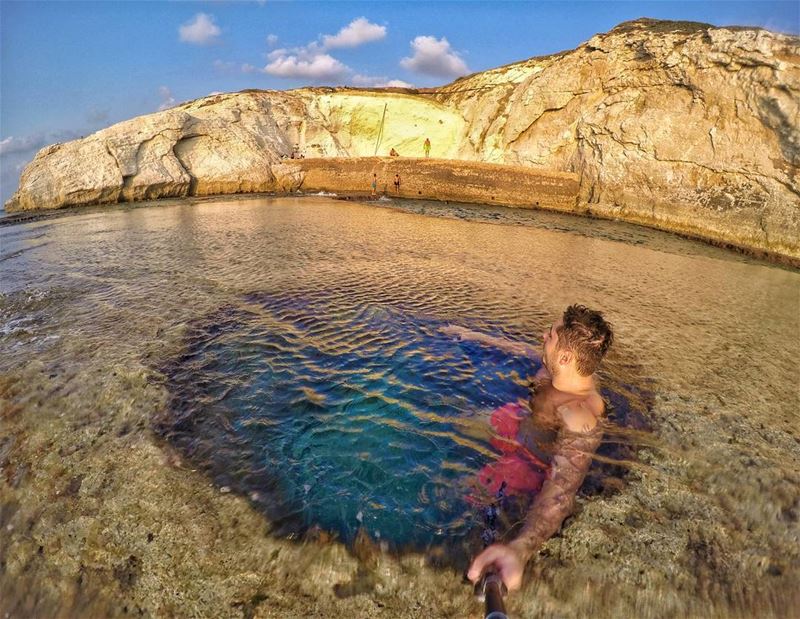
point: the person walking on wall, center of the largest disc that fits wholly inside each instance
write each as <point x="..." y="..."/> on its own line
<point x="427" y="147"/>
<point x="374" y="184"/>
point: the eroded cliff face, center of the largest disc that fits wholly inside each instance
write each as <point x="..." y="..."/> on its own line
<point x="680" y="126"/>
<point x="232" y="143"/>
<point x="677" y="125"/>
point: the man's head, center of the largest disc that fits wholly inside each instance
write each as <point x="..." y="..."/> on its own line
<point x="579" y="340"/>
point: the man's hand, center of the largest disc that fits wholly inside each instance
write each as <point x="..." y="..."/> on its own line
<point x="507" y="560"/>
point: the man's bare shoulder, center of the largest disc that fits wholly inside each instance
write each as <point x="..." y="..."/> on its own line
<point x="582" y="416"/>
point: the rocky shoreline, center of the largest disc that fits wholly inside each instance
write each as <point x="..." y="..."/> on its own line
<point x="327" y="190"/>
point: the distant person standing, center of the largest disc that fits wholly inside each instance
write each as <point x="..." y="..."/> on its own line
<point x="427" y="147"/>
<point x="397" y="183"/>
<point x="374" y="184"/>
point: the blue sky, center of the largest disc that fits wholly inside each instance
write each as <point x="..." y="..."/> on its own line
<point x="70" y="68"/>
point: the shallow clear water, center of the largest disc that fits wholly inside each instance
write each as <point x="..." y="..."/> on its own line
<point x="299" y="345"/>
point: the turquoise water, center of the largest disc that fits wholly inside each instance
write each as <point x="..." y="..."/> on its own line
<point x="343" y="416"/>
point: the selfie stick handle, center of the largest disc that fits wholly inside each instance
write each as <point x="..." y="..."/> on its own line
<point x="493" y="589"/>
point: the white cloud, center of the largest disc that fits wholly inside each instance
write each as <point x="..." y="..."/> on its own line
<point x="314" y="67"/>
<point x="435" y="57"/>
<point x="357" y="32"/>
<point x="248" y="68"/>
<point x="12" y="145"/>
<point x="368" y="81"/>
<point x="365" y="80"/>
<point x="397" y="84"/>
<point x="283" y="52"/>
<point x="313" y="62"/>
<point x="29" y="144"/>
<point x="225" y="66"/>
<point x="201" y="30"/>
<point x="272" y="40"/>
<point x="167" y="100"/>
<point x="304" y="52"/>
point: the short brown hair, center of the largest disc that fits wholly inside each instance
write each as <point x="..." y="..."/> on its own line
<point x="587" y="335"/>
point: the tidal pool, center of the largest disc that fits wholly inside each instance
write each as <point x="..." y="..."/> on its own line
<point x="202" y="398"/>
<point x="335" y="411"/>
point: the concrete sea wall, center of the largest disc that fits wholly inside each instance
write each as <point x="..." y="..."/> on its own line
<point x="462" y="181"/>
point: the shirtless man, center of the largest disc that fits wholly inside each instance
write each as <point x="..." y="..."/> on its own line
<point x="566" y="409"/>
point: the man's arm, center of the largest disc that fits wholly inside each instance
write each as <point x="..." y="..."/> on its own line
<point x="556" y="500"/>
<point x="517" y="348"/>
<point x="576" y="443"/>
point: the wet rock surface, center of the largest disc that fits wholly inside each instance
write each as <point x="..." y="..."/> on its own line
<point x="144" y="535"/>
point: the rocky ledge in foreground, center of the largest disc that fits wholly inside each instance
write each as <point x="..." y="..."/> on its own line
<point x="680" y="126"/>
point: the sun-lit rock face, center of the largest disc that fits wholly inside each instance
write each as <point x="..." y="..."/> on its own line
<point x="363" y="124"/>
<point x="233" y="143"/>
<point x="676" y="125"/>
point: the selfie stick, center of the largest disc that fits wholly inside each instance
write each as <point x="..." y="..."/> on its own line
<point x="491" y="589"/>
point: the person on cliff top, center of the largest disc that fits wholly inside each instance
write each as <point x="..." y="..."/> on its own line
<point x="548" y="447"/>
<point x="374" y="184"/>
<point x="394" y="153"/>
<point x="397" y="183"/>
<point x="427" y="147"/>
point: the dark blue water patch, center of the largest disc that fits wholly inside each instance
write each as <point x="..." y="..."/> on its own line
<point x="341" y="416"/>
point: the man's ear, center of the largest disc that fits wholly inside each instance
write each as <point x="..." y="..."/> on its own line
<point x="564" y="357"/>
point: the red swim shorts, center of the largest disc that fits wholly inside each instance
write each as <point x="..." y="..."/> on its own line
<point x="522" y="472"/>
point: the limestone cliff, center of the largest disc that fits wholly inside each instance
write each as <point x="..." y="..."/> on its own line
<point x="681" y="126"/>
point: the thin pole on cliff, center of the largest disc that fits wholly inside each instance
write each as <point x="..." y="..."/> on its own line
<point x="380" y="129"/>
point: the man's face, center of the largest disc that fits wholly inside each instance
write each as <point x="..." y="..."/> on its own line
<point x="550" y="347"/>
